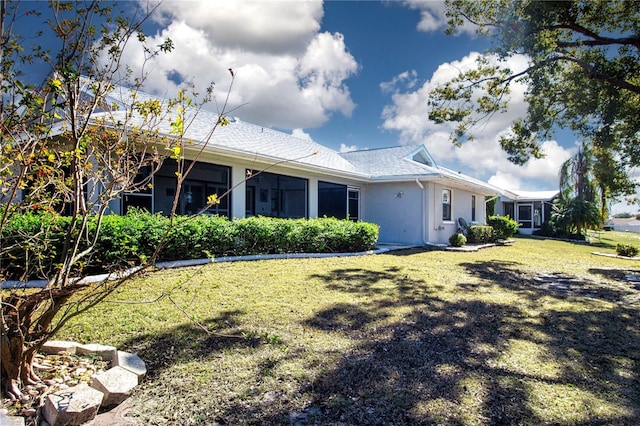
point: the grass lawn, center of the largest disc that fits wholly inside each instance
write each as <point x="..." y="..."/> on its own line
<point x="539" y="332"/>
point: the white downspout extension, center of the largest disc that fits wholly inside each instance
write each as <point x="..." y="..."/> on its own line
<point x="425" y="227"/>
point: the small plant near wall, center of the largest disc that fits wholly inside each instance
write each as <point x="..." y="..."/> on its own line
<point x="457" y="240"/>
<point x="626" y="250"/>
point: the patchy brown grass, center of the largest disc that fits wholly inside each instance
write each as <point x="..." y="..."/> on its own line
<point x="541" y="332"/>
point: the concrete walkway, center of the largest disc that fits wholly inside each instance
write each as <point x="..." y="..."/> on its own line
<point x="380" y="249"/>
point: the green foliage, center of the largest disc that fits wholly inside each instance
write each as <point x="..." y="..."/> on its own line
<point x="582" y="74"/>
<point x="624" y="215"/>
<point x="479" y="234"/>
<point x="457" y="240"/>
<point x="36" y="239"/>
<point x="626" y="250"/>
<point x="575" y="215"/>
<point x="503" y="227"/>
<point x="490" y="202"/>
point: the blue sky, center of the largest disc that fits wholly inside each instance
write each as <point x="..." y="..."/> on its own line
<point x="347" y="74"/>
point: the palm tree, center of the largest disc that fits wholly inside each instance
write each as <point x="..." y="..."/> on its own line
<point x="576" y="176"/>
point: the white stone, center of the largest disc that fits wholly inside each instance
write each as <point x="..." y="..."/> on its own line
<point x="108" y="353"/>
<point x="73" y="406"/>
<point x="54" y="347"/>
<point x="116" y="384"/>
<point x="131" y="362"/>
<point x="11" y="420"/>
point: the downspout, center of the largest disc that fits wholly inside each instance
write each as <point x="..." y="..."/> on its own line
<point x="425" y="228"/>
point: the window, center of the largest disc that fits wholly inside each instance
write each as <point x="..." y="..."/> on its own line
<point x="204" y="180"/>
<point x="332" y="200"/>
<point x="354" y="204"/>
<point x="446" y="204"/>
<point x="276" y="195"/>
<point x="473" y="208"/>
<point x="509" y="210"/>
<point x="339" y="201"/>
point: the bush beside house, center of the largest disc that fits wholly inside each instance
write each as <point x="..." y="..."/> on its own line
<point x="131" y="239"/>
<point x="457" y="240"/>
<point x="479" y="234"/>
<point x="503" y="227"/>
<point x="498" y="228"/>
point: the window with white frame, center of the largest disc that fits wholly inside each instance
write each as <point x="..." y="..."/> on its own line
<point x="446" y="204"/>
<point x="473" y="208"/>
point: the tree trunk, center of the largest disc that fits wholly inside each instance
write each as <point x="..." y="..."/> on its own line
<point x="25" y="324"/>
<point x="11" y="350"/>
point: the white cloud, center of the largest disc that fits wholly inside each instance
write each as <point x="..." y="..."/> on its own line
<point x="407" y="79"/>
<point x="348" y="148"/>
<point x="301" y="134"/>
<point x="432" y="17"/>
<point x="276" y="28"/>
<point x="483" y="158"/>
<point x="287" y="73"/>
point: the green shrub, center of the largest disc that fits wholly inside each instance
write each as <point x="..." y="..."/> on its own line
<point x="35" y="240"/>
<point x="479" y="234"/>
<point x="31" y="244"/>
<point x="503" y="227"/>
<point x="457" y="240"/>
<point x="626" y="250"/>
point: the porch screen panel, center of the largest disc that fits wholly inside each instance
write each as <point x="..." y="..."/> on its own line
<point x="142" y="198"/>
<point x="332" y="200"/>
<point x="525" y="215"/>
<point x="277" y="195"/>
<point x="204" y="180"/>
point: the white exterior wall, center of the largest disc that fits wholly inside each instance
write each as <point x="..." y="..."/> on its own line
<point x="440" y="230"/>
<point x="415" y="217"/>
<point x="400" y="216"/>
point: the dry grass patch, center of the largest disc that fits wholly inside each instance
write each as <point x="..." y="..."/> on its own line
<point x="538" y="332"/>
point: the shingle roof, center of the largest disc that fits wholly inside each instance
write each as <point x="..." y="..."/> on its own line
<point x="392" y="161"/>
<point x="240" y="137"/>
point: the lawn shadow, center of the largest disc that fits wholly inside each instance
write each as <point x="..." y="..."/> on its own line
<point x="188" y="342"/>
<point x="448" y="361"/>
<point x="365" y="281"/>
<point x="512" y="276"/>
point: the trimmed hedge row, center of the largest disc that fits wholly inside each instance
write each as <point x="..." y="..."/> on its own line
<point x="498" y="228"/>
<point x="480" y="234"/>
<point x="32" y="243"/>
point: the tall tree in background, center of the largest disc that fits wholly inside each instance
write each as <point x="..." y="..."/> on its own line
<point x="583" y="74"/>
<point x="576" y="176"/>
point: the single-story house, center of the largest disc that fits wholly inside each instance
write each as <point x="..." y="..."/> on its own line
<point x="271" y="173"/>
<point x="529" y="208"/>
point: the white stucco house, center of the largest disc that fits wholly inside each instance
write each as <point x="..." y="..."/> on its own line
<point x="401" y="188"/>
<point x="529" y="208"/>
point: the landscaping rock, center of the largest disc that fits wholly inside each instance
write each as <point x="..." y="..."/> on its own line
<point x="73" y="406"/>
<point x="54" y="347"/>
<point x="108" y="353"/>
<point x="6" y="420"/>
<point x="131" y="362"/>
<point x="116" y="384"/>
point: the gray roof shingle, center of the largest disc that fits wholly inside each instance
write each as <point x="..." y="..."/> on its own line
<point x="250" y="139"/>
